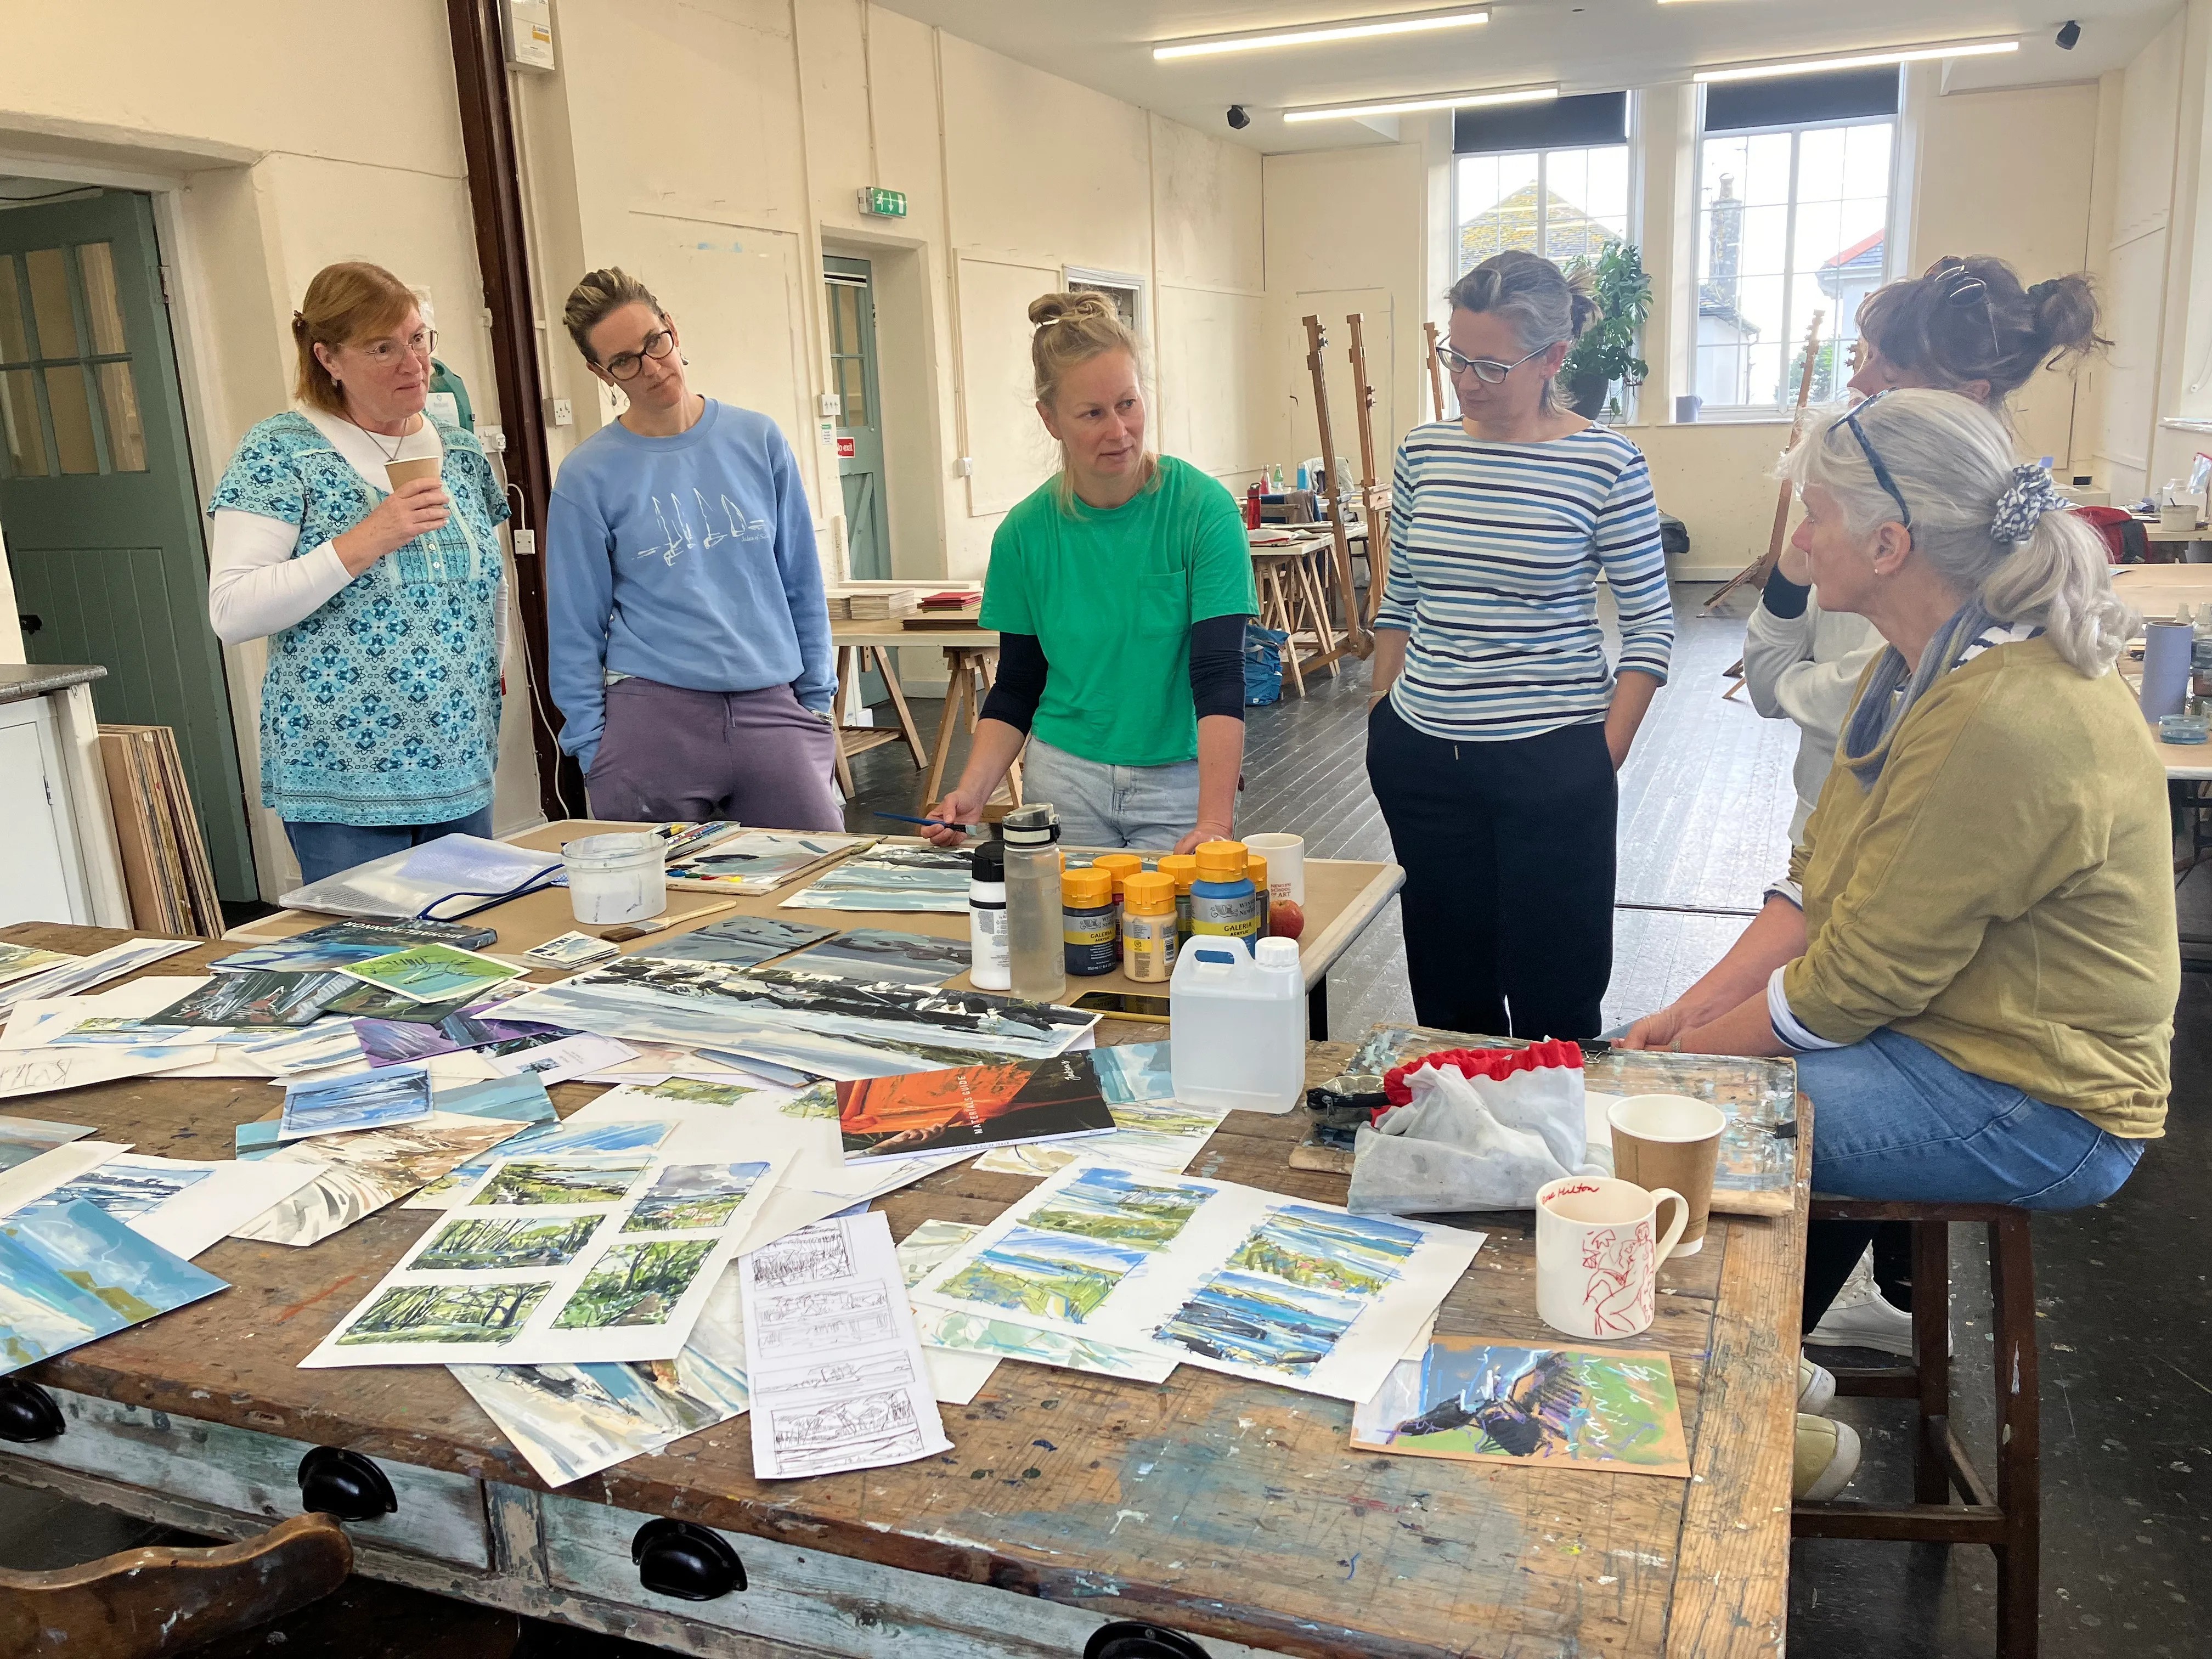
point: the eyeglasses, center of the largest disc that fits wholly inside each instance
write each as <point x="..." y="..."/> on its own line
<point x="1960" y="288"/>
<point x="1487" y="370"/>
<point x="1881" y="472"/>
<point x="385" y="353"/>
<point x="624" y="365"/>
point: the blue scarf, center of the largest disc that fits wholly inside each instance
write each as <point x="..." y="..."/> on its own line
<point x="1880" y="711"/>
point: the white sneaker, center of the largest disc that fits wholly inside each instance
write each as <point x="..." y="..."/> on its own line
<point x="1816" y="1386"/>
<point x="1860" y="1317"/>
<point x="1827" y="1456"/>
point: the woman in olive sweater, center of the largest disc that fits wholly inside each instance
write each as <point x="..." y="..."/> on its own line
<point x="1974" y="959"/>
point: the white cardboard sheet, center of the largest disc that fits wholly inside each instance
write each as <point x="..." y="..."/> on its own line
<point x="183" y="1205"/>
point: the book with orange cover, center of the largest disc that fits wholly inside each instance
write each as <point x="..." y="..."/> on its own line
<point x="972" y="1108"/>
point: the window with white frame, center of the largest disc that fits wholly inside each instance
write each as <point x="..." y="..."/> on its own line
<point x="1794" y="178"/>
<point x="1521" y="180"/>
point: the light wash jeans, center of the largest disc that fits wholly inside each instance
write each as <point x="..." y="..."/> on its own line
<point x="1150" y="807"/>
<point x="1894" y="1119"/>
<point x="324" y="850"/>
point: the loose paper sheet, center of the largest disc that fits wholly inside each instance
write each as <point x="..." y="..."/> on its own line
<point x="560" y="1139"/>
<point x="941" y="1329"/>
<point x="35" y="1022"/>
<point x="1153" y="1129"/>
<point x="1466" y="1399"/>
<point x="22" y="1138"/>
<point x="912" y="878"/>
<point x="182" y="1205"/>
<point x="559" y="1061"/>
<point x="365" y="1172"/>
<point x="561" y="1260"/>
<point x="872" y="955"/>
<point x="573" y="1420"/>
<point x="69" y="1276"/>
<point x="570" y="950"/>
<point x="84" y="972"/>
<point x="838" y="1377"/>
<point x="955" y="1377"/>
<point x="381" y="1099"/>
<point x="760" y="860"/>
<point x="32" y="1178"/>
<point x="1226" y="1277"/>
<point x="432" y="973"/>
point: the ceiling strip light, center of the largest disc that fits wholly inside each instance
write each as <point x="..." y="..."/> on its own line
<point x="1857" y="60"/>
<point x="1415" y="106"/>
<point x="1418" y="24"/>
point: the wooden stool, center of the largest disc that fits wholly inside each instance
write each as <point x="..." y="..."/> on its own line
<point x="852" y="662"/>
<point x="970" y="672"/>
<point x="2009" y="1520"/>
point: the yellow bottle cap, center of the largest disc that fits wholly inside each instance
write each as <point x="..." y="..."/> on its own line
<point x="1180" y="868"/>
<point x="1256" y="867"/>
<point x="1086" y="888"/>
<point x="1220" y="860"/>
<point x="1149" y="893"/>
<point x="1122" y="865"/>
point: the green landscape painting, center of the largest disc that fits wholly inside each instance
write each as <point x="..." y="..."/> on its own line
<point x="686" y="1196"/>
<point x="634" y="1284"/>
<point x="691" y="1088"/>
<point x="437" y="1313"/>
<point x="1113" y="1205"/>
<point x="563" y="1181"/>
<point x="468" y="1246"/>
<point x="1057" y="1275"/>
<point x="1323" y="1250"/>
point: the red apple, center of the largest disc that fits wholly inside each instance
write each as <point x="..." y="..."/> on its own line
<point x="1286" y="919"/>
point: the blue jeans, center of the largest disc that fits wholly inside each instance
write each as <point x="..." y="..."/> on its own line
<point x="1151" y="807"/>
<point x="1894" y="1119"/>
<point x="324" y="850"/>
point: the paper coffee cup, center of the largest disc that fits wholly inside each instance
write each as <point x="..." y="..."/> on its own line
<point x="1673" y="1141"/>
<point x="405" y="472"/>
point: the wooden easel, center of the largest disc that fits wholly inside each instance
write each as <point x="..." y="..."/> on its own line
<point x="1356" y="637"/>
<point x="1755" y="572"/>
<point x="1374" y="500"/>
<point x="1436" y="371"/>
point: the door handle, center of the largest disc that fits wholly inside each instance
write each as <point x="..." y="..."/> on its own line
<point x="29" y="622"/>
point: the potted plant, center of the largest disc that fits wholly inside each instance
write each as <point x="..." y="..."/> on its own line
<point x="1607" y="352"/>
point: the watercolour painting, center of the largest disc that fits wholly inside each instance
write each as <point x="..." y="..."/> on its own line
<point x="70" y="1275"/>
<point x="912" y="879"/>
<point x="565" y="1179"/>
<point x="636" y="1284"/>
<point x="736" y="942"/>
<point x="254" y="1001"/>
<point x="1501" y="1403"/>
<point x="570" y="950"/>
<point x="434" y="1313"/>
<point x="383" y="1099"/>
<point x="362" y="1173"/>
<point x="337" y="944"/>
<point x="551" y="1139"/>
<point x="687" y="1196"/>
<point x="433" y="973"/>
<point x="19" y="961"/>
<point x="761" y="860"/>
<point x="22" y="1138"/>
<point x="875" y="954"/>
<point x="495" y="1245"/>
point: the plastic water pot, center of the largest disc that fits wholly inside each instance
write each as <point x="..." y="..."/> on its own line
<point x="1239" y="1026"/>
<point x="617" y="878"/>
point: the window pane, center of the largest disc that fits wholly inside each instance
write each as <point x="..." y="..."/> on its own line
<point x="1866" y="161"/>
<point x="19" y="414"/>
<point x="126" y="433"/>
<point x="1586" y="206"/>
<point x="853" y="388"/>
<point x="72" y="412"/>
<point x="15" y="346"/>
<point x="96" y="260"/>
<point x="1498" y="206"/>
<point x="50" y="303"/>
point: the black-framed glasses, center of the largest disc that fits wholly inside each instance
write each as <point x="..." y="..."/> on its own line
<point x="624" y="365"/>
<point x="1873" y="460"/>
<point x="1488" y="370"/>
<point x="1961" y="288"/>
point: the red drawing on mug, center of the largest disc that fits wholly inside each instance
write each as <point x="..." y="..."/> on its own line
<point x="1619" y="1295"/>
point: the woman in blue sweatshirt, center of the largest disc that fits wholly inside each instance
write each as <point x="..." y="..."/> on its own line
<point x="689" y="635"/>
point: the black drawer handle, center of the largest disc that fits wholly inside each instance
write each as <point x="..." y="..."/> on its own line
<point x="27" y="1413"/>
<point x="1126" y="1639"/>
<point x="336" y="1481"/>
<point x="689" y="1562"/>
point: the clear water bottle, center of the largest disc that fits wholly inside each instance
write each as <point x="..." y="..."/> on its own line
<point x="1036" y="957"/>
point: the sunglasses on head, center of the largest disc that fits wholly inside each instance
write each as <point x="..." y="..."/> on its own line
<point x="1960" y="288"/>
<point x="1881" y="474"/>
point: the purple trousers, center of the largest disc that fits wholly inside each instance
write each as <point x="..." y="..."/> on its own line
<point x="755" y="757"/>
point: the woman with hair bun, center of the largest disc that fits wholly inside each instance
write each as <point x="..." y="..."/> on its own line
<point x="1497" y="725"/>
<point x="384" y="607"/>
<point x="1119" y="589"/>
<point x="1967" y="326"/>
<point x="1973" y="959"/>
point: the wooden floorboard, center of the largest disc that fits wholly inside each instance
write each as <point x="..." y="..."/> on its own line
<point x="1705" y="801"/>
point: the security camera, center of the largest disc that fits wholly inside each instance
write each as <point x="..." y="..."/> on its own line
<point x="1238" y="120"/>
<point x="2069" y="33"/>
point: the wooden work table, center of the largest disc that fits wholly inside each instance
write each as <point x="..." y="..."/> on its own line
<point x="1228" y="1510"/>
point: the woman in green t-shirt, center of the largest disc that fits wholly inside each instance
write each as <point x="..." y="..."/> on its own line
<point x="1119" y="589"/>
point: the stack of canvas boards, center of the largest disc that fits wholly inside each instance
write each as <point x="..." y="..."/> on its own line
<point x="157" y="832"/>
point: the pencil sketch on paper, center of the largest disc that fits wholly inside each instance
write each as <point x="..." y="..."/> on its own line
<point x="875" y="1427"/>
<point x="811" y="1255"/>
<point x="880" y="1371"/>
<point x="826" y="1319"/>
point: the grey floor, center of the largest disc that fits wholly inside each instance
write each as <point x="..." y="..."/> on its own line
<point x="2122" y="1289"/>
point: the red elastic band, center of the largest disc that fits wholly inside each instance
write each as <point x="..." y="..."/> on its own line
<point x="1497" y="1064"/>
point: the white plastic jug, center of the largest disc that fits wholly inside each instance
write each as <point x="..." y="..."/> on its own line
<point x="1239" y="1026"/>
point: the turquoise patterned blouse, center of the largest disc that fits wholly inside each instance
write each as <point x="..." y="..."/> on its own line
<point x="382" y="705"/>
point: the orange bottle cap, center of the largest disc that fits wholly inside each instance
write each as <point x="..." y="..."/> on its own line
<point x="1149" y="893"/>
<point x="1181" y="868"/>
<point x="1220" y="860"/>
<point x="1256" y="867"/>
<point x="1086" y="888"/>
<point x="1122" y="865"/>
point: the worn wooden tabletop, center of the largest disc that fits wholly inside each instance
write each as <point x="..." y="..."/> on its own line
<point x="1221" y="1507"/>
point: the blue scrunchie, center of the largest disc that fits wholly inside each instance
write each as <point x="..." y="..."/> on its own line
<point x="2032" y="494"/>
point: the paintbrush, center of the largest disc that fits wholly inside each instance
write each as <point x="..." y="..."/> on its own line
<point x="629" y="931"/>
<point x="931" y="824"/>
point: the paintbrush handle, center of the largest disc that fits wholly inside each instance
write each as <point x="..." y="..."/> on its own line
<point x="629" y="931"/>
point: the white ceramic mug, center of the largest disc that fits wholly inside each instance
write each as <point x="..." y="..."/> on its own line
<point x="1598" y="1252"/>
<point x="1286" y="865"/>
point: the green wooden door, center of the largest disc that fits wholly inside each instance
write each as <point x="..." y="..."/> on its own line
<point x="860" y="430"/>
<point x="97" y="504"/>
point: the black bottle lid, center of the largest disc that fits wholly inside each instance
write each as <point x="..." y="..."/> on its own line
<point x="989" y="863"/>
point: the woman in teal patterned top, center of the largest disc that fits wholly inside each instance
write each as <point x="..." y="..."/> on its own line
<point x="383" y="608"/>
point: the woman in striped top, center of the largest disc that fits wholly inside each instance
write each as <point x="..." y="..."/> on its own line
<point x="1497" y="725"/>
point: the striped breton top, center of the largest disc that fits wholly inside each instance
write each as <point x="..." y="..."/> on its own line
<point x="1495" y="551"/>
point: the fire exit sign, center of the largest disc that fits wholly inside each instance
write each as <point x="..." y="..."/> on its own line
<point x="884" y="203"/>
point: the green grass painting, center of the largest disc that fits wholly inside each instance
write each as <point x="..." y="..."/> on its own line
<point x="436" y="1313"/>
<point x="473" y="1246"/>
<point x="634" y="1284"/>
<point x="567" y="1180"/>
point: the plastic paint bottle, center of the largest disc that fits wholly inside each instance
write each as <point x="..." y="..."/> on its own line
<point x="1120" y="866"/>
<point x="1148" y="926"/>
<point x="1037" y="958"/>
<point x="987" y="966"/>
<point x="1256" y="867"/>
<point x="1181" y="868"/>
<point x="1222" y="900"/>
<point x="1086" y="898"/>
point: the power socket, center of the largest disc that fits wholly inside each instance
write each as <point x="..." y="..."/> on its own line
<point x="526" y="544"/>
<point x="493" y="438"/>
<point x="560" y="411"/>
